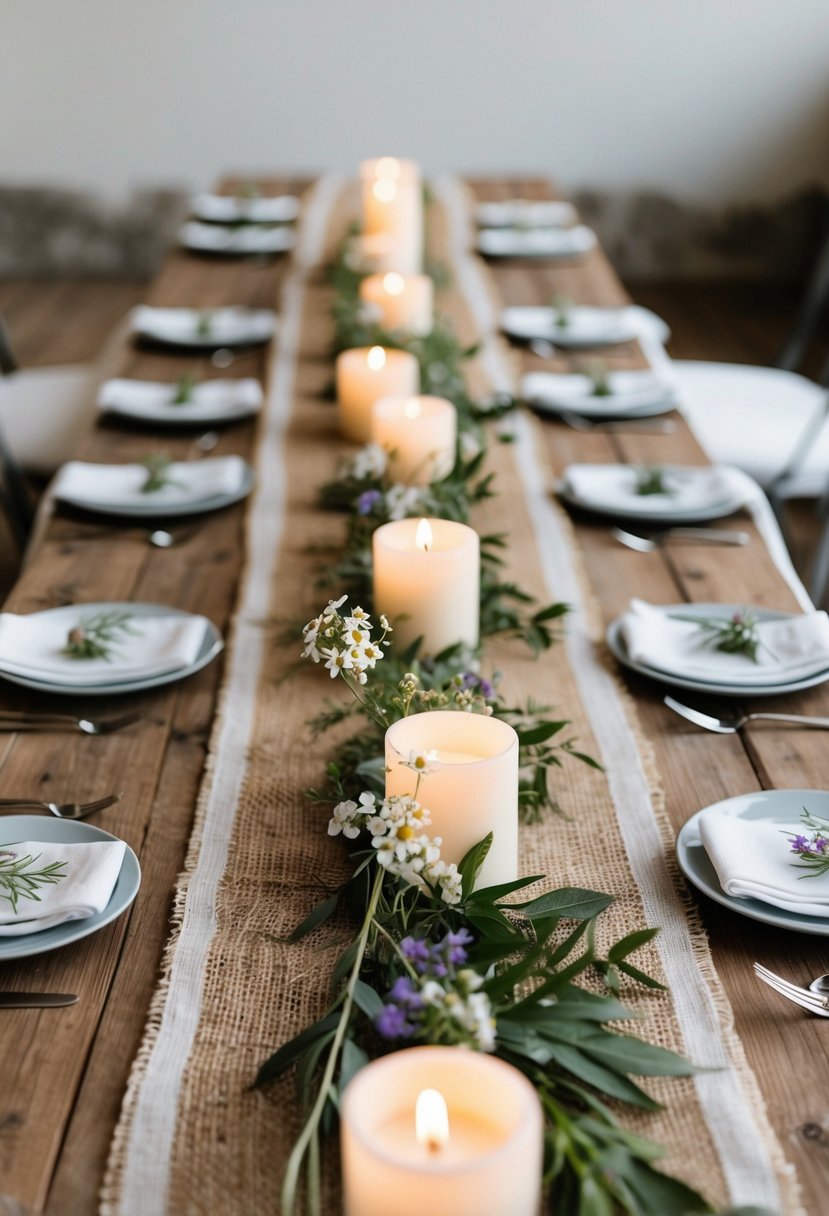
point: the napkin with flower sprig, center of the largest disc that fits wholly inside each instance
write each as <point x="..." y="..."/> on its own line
<point x="44" y="884"/>
<point x="617" y="486"/>
<point x="125" y="485"/>
<point x="786" y="649"/>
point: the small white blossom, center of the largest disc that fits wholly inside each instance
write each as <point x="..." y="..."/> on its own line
<point x="402" y="501"/>
<point x="370" y="461"/>
<point x="337" y="661"/>
<point x="333" y="608"/>
<point x="422" y="763"/>
<point x="470" y="446"/>
<point x="343" y="820"/>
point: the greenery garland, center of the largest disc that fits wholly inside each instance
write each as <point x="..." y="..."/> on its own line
<point x="435" y="960"/>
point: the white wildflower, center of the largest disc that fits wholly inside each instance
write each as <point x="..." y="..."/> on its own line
<point x="337" y="661"/>
<point x="402" y="501"/>
<point x="422" y="763"/>
<point x="343" y="819"/>
<point x="470" y="446"/>
<point x="370" y="461"/>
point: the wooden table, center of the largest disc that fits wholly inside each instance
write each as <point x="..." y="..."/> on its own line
<point x="63" y="1074"/>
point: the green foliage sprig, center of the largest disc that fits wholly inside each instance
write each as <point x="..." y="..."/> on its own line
<point x="158" y="466"/>
<point x="650" y="479"/>
<point x="19" y="881"/>
<point x="738" y="634"/>
<point x="95" y="636"/>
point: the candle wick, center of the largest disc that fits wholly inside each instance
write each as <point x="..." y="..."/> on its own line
<point x="433" y="1145"/>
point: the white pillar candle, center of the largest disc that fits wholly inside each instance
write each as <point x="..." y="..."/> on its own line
<point x="393" y="204"/>
<point x="364" y="375"/>
<point x="427" y="577"/>
<point x="473" y="789"/>
<point x="487" y="1161"/>
<point x="420" y="435"/>
<point x="401" y="302"/>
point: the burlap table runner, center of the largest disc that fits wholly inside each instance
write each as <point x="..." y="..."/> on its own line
<point x="192" y="1137"/>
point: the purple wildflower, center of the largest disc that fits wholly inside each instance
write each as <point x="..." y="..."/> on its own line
<point x="368" y="501"/>
<point x="405" y="993"/>
<point x="470" y="679"/>
<point x="391" y="1023"/>
<point x="416" y="951"/>
<point x="455" y="943"/>
<point x="487" y="690"/>
<point x="819" y="844"/>
<point x="800" y="844"/>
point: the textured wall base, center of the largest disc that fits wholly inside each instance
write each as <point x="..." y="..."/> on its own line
<point x="48" y="233"/>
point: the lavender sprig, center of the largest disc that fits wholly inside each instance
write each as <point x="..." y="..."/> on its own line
<point x="736" y="635"/>
<point x="812" y="850"/>
<point x="18" y="881"/>
<point x="94" y="636"/>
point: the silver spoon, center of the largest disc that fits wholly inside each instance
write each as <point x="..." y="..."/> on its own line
<point x="656" y="426"/>
<point x="223" y="357"/>
<point x="730" y="726"/>
<point x="699" y="536"/>
<point x="544" y="349"/>
<point x="205" y="442"/>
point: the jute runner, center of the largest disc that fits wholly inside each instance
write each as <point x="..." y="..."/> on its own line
<point x="192" y="1138"/>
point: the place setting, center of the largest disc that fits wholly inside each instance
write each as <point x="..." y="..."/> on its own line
<point x="102" y="649"/>
<point x="569" y="326"/>
<point x="662" y="494"/>
<point x="526" y="213"/>
<point x="236" y="240"/>
<point x="188" y="401"/>
<point x="203" y="328"/>
<point x="543" y="244"/>
<point x="598" y="393"/>
<point x="250" y="207"/>
<point x="732" y="650"/>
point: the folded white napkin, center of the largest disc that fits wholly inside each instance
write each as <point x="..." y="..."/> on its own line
<point x="209" y="401"/>
<point x="228" y="326"/>
<point x="114" y="485"/>
<point x="586" y="326"/>
<point x="32" y="645"/>
<point x="230" y="209"/>
<point x="753" y="861"/>
<point x="612" y="487"/>
<point x="630" y="392"/>
<point x="536" y="242"/>
<point x="790" y="649"/>
<point x="91" y="872"/>
<point x="526" y="213"/>
<point x="251" y="238"/>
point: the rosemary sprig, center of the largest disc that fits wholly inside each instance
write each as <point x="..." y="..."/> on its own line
<point x="650" y="479"/>
<point x="18" y="881"/>
<point x="736" y="635"/>
<point x="562" y="306"/>
<point x="158" y="465"/>
<point x="184" y="389"/>
<point x="94" y="636"/>
<point x="598" y="374"/>
<point x="204" y="324"/>
<point x="812" y="850"/>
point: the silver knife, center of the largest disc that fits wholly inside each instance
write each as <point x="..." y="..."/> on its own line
<point x="36" y="1000"/>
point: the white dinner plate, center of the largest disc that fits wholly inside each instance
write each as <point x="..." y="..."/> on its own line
<point x="236" y="242"/>
<point x="655" y="508"/>
<point x="536" y="242"/>
<point x="51" y="830"/>
<point x="587" y="328"/>
<point x="526" y="213"/>
<point x="231" y="326"/>
<point x="634" y="394"/>
<point x="779" y="806"/>
<point x="211" y="646"/>
<point x="616" y="643"/>
<point x="235" y="209"/>
<point x="213" y="401"/>
<point x="152" y="508"/>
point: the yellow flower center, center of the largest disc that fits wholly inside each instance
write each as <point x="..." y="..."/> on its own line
<point x="405" y="833"/>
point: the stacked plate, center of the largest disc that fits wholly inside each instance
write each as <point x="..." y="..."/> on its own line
<point x="206" y="329"/>
<point x="666" y="643"/>
<point x="630" y="394"/>
<point x="526" y="213"/>
<point x="154" y="645"/>
<point x="208" y="403"/>
<point x="191" y="487"/>
<point x="692" y="495"/>
<point x="737" y="853"/>
<point x="545" y="243"/>
<point x="236" y="241"/>
<point x="235" y="209"/>
<point x="47" y="830"/>
<point x="579" y="327"/>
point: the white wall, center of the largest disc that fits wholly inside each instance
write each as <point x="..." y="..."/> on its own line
<point x="709" y="99"/>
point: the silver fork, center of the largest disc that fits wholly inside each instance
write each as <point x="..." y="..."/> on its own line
<point x="88" y="726"/>
<point x="804" y="997"/>
<point x="705" y="536"/>
<point x="730" y="726"/>
<point x="657" y="426"/>
<point x="64" y="810"/>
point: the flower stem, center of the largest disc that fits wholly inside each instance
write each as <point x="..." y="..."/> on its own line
<point x="311" y="1127"/>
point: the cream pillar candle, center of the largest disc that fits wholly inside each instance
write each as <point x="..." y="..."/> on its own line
<point x="401" y="302"/>
<point x="485" y="1159"/>
<point x="427" y="581"/>
<point x="393" y="203"/>
<point x="420" y="435"/>
<point x="365" y="374"/>
<point x="472" y="788"/>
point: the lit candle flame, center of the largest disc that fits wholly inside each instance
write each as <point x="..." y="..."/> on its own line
<point x="384" y="190"/>
<point x="423" y="540"/>
<point x="431" y="1120"/>
<point x="376" y="358"/>
<point x="412" y="410"/>
<point x="393" y="283"/>
<point x="387" y="167"/>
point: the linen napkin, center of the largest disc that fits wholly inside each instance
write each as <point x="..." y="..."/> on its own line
<point x="32" y="645"/>
<point x="612" y="487"/>
<point x="91" y="871"/>
<point x="586" y="326"/>
<point x="251" y="238"/>
<point x="526" y="213"/>
<point x="181" y="326"/>
<point x="790" y="649"/>
<point x="536" y="242"/>
<point x="752" y="859"/>
<point x="230" y="209"/>
<point x="630" y="392"/>
<point x="114" y="485"/>
<point x="210" y="400"/>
